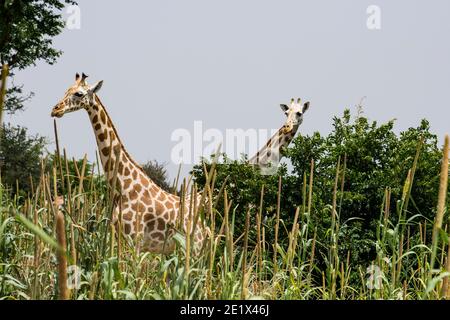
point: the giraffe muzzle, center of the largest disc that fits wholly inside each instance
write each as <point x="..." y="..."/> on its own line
<point x="57" y="112"/>
<point x="287" y="128"/>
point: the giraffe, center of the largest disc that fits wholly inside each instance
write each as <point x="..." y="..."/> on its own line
<point x="145" y="208"/>
<point x="272" y="151"/>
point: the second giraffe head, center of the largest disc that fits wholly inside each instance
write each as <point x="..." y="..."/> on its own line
<point x="79" y="96"/>
<point x="294" y="113"/>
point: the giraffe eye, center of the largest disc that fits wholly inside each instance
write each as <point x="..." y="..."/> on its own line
<point x="299" y="113"/>
<point x="78" y="94"/>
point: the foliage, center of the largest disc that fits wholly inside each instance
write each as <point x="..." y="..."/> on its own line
<point x="73" y="170"/>
<point x="334" y="228"/>
<point x="20" y="156"/>
<point x="375" y="158"/>
<point x="243" y="184"/>
<point x="372" y="158"/>
<point x="112" y="266"/>
<point x="26" y="32"/>
<point x="16" y="99"/>
<point x="158" y="173"/>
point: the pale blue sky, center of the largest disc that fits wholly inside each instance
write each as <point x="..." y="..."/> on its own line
<point x="230" y="63"/>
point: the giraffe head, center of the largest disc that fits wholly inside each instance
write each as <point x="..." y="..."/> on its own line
<point x="78" y="96"/>
<point x="294" y="113"/>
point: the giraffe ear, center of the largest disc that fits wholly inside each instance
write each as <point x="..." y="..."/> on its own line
<point x="284" y="107"/>
<point x="305" y="107"/>
<point x="96" y="87"/>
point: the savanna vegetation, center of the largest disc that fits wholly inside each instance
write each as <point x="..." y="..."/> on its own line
<point x="361" y="213"/>
<point x="363" y="218"/>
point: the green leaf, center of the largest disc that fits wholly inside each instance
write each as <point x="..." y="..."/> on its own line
<point x="433" y="282"/>
<point x="38" y="231"/>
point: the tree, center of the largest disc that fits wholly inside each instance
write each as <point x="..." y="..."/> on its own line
<point x="20" y="156"/>
<point x="243" y="184"/>
<point x="158" y="173"/>
<point x="374" y="158"/>
<point x="26" y="32"/>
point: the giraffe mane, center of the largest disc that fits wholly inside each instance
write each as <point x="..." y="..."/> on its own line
<point x="120" y="141"/>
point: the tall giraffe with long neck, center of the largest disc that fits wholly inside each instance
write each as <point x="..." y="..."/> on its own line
<point x="145" y="208"/>
<point x="271" y="153"/>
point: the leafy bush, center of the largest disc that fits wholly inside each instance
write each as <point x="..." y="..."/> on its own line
<point x="158" y="173"/>
<point x="361" y="252"/>
<point x="371" y="158"/>
<point x="72" y="170"/>
<point x="20" y="156"/>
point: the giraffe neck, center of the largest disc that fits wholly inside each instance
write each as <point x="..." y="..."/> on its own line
<point x="113" y="155"/>
<point x="274" y="146"/>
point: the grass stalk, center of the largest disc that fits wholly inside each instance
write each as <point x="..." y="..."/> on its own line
<point x="63" y="292"/>
<point x="277" y="226"/>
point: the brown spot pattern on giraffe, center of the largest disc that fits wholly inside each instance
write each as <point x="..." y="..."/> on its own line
<point x="133" y="194"/>
<point x="161" y="224"/>
<point x="151" y="224"/>
<point x="102" y="136"/>
<point x="126" y="183"/>
<point x="146" y="200"/>
<point x="105" y="151"/>
<point x="138" y="188"/>
<point x="158" y="235"/>
<point x="127" y="216"/>
<point x="144" y="181"/>
<point x="159" y="207"/>
<point x="103" y="116"/>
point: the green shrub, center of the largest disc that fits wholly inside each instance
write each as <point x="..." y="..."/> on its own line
<point x="20" y="156"/>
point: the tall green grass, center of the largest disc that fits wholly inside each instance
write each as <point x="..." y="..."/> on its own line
<point x="39" y="240"/>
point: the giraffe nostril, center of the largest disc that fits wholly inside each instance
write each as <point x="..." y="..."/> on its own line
<point x="57" y="112"/>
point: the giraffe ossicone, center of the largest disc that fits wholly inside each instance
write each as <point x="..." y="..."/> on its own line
<point x="145" y="209"/>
